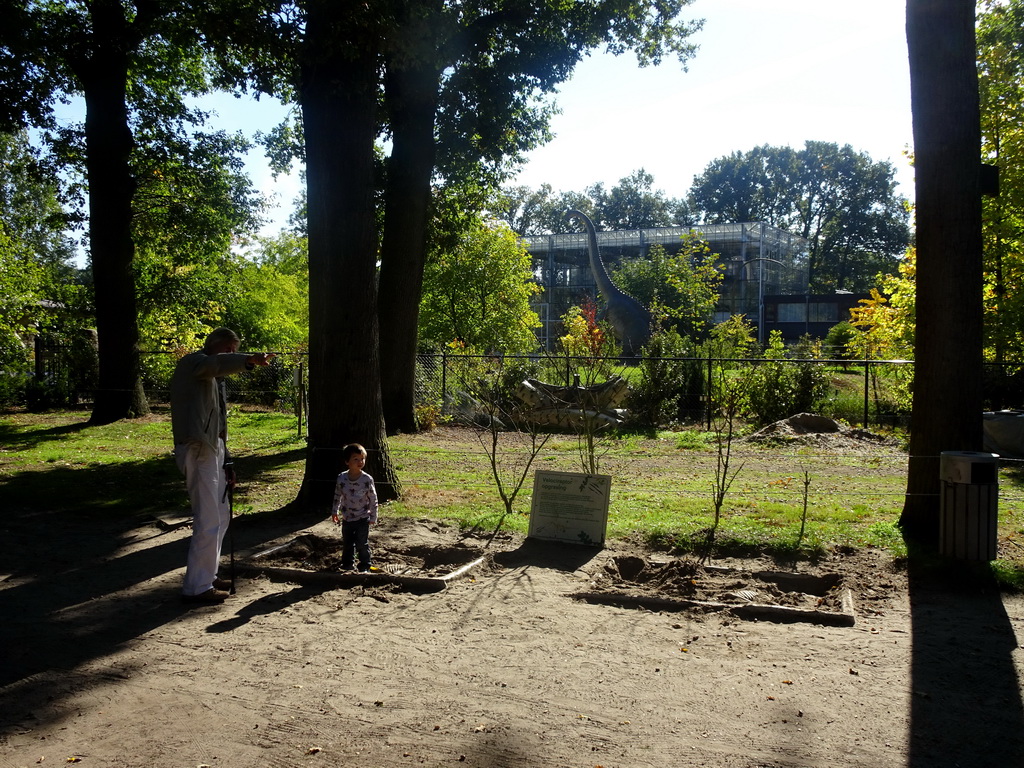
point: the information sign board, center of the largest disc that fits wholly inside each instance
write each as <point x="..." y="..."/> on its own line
<point x="570" y="506"/>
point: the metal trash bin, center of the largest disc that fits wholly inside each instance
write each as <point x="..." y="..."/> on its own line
<point x="970" y="504"/>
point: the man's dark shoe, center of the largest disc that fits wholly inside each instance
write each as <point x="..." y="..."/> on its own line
<point x="208" y="597"/>
<point x="224" y="584"/>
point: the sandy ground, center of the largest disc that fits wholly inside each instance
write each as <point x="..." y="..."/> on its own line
<point x="103" y="666"/>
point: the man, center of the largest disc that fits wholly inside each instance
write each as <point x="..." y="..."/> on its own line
<point x="199" y="424"/>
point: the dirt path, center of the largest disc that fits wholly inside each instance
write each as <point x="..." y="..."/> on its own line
<point x="103" y="665"/>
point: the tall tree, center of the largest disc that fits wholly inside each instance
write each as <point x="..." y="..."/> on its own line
<point x="947" y="407"/>
<point x="326" y="57"/>
<point x="738" y="188"/>
<point x="1001" y="87"/>
<point x="338" y="93"/>
<point x="100" y="61"/>
<point x="478" y="293"/>
<point x="539" y="211"/>
<point x="498" y="61"/>
<point x="633" y="204"/>
<point x="115" y="54"/>
<point x="844" y="203"/>
<point x="415" y="60"/>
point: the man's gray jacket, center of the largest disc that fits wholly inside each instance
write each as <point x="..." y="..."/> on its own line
<point x="198" y="404"/>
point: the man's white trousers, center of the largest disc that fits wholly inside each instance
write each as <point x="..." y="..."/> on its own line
<point x="203" y="468"/>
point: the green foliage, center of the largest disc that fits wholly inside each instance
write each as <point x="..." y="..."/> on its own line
<point x="261" y="295"/>
<point x="267" y="307"/>
<point x="31" y="206"/>
<point x="428" y="416"/>
<point x="479" y="293"/>
<point x="21" y="282"/>
<point x="538" y="211"/>
<point x="887" y="319"/>
<point x="194" y="202"/>
<point x="684" y="285"/>
<point x="632" y="204"/>
<point x="777" y="389"/>
<point x="887" y="324"/>
<point x="1000" y="38"/>
<point x="669" y="387"/>
<point x="40" y="288"/>
<point x="840" y="339"/>
<point x="844" y="203"/>
<point x="193" y="198"/>
<point x="731" y="338"/>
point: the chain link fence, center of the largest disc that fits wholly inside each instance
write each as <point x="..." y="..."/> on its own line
<point x="863" y="392"/>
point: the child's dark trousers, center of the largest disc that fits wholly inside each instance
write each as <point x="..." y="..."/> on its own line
<point x="355" y="537"/>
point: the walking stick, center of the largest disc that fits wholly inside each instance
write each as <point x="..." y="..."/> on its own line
<point x="229" y="493"/>
<point x="231" y="532"/>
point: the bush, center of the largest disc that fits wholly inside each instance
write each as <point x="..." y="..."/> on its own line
<point x="838" y="338"/>
<point x="663" y="393"/>
<point x="67" y="372"/>
<point x="777" y="389"/>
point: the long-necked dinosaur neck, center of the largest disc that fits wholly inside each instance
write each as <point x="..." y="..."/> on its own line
<point x="630" y="319"/>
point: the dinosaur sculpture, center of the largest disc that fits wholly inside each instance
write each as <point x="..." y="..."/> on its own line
<point x="553" y="405"/>
<point x="630" y="319"/>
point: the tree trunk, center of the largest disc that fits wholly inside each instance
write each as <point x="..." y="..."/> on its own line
<point x="108" y="141"/>
<point x="338" y="96"/>
<point x="947" y="406"/>
<point x="411" y="93"/>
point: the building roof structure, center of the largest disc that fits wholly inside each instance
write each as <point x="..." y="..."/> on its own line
<point x="757" y="260"/>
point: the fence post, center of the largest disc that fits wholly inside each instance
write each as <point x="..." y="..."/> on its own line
<point x="707" y="391"/>
<point x="444" y="379"/>
<point x="298" y="381"/>
<point x="867" y="387"/>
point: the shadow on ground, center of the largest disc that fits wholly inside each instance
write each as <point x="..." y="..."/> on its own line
<point x="961" y="633"/>
<point x="547" y="554"/>
<point x="75" y="540"/>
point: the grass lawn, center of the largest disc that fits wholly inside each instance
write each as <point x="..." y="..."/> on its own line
<point x="662" y="487"/>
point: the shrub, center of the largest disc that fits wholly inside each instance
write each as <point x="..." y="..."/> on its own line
<point x="776" y="388"/>
<point x="661" y="395"/>
<point x="838" y="340"/>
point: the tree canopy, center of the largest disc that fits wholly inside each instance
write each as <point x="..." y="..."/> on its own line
<point x="844" y="203"/>
<point x="634" y="203"/>
<point x="1001" y="88"/>
<point x="684" y="285"/>
<point x="478" y="293"/>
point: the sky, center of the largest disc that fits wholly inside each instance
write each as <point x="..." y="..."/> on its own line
<point x="777" y="72"/>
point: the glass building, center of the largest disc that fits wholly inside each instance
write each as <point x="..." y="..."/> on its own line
<point x="759" y="261"/>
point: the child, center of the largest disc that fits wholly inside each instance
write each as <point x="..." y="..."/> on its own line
<point x="355" y="507"/>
